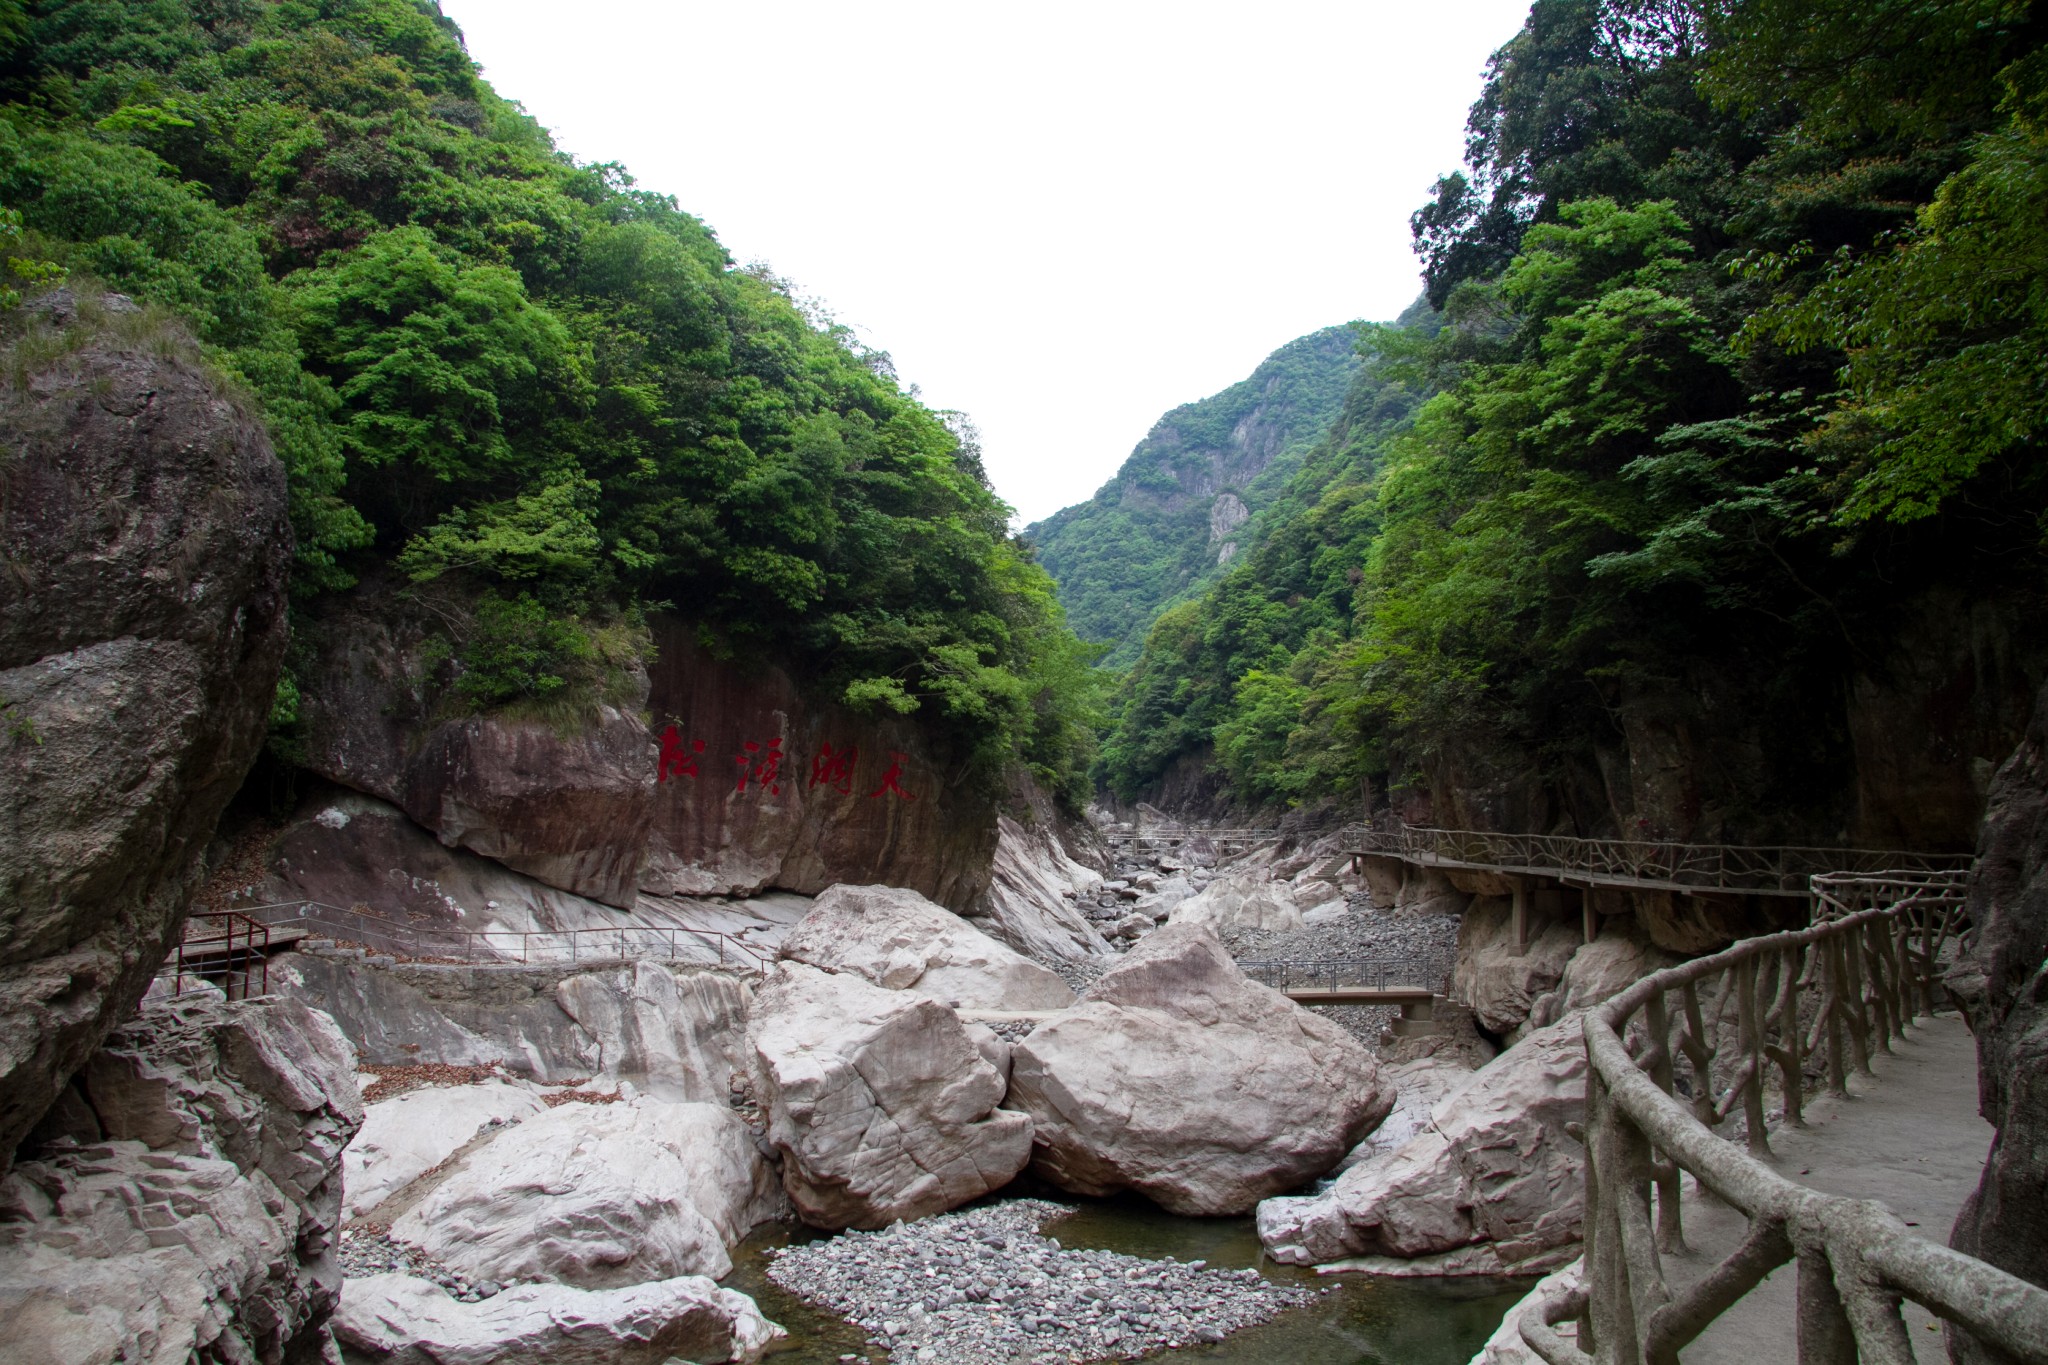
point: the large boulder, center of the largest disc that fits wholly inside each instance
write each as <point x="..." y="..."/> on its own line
<point x="600" y="1195"/>
<point x="1183" y="1079"/>
<point x="879" y="1102"/>
<point x="181" y="1202"/>
<point x="1244" y="901"/>
<point x="403" y="1320"/>
<point x="900" y="941"/>
<point x="679" y="1034"/>
<point x="1496" y="1165"/>
<point x="1029" y="904"/>
<point x="2001" y="978"/>
<point x="406" y="1136"/>
<point x="1500" y="981"/>
<point x="1419" y="1086"/>
<point x="142" y="522"/>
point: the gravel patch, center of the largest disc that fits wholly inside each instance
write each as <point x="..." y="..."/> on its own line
<point x="1428" y="942"/>
<point x="983" y="1287"/>
<point x="367" y="1249"/>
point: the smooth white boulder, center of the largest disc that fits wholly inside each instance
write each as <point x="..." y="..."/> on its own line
<point x="405" y="1320"/>
<point x="600" y="1195"/>
<point x="1495" y="1165"/>
<point x="406" y="1136"/>
<point x="898" y="940"/>
<point x="879" y="1101"/>
<point x="1247" y="901"/>
<point x="676" y="1033"/>
<point x="1180" y="1077"/>
<point x="1419" y="1086"/>
<point x="1500" y="983"/>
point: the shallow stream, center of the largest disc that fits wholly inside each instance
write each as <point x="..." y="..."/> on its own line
<point x="1365" y="1322"/>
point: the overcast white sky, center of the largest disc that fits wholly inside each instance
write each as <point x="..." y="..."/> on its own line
<point x="1062" y="219"/>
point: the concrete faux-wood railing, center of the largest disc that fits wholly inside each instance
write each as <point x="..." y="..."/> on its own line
<point x="1647" y="864"/>
<point x="1654" y="1096"/>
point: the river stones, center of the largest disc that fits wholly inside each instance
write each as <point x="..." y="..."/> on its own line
<point x="404" y="1320"/>
<point x="879" y="1102"/>
<point x="1495" y="1165"/>
<point x="898" y="940"/>
<point x="1180" y="1077"/>
<point x="599" y="1195"/>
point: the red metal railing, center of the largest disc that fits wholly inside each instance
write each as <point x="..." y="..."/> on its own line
<point x="225" y="948"/>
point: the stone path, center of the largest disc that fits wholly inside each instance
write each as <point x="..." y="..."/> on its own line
<point x="1911" y="1139"/>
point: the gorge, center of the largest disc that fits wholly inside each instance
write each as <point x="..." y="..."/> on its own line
<point x="548" y="815"/>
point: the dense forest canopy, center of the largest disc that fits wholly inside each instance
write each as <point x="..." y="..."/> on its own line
<point x="1148" y="536"/>
<point x="517" y="383"/>
<point x="1740" y="345"/>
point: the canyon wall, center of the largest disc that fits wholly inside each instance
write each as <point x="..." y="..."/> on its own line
<point x="142" y="523"/>
<point x="706" y="776"/>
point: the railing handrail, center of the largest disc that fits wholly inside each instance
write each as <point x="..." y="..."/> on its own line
<point x="1784" y="868"/>
<point x="1856" y="1258"/>
<point x="431" y="941"/>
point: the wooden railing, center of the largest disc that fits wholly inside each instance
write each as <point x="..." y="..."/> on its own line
<point x="1669" y="1064"/>
<point x="625" y="942"/>
<point x="1781" y="871"/>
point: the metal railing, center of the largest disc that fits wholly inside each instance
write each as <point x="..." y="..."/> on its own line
<point x="1643" y="862"/>
<point x="622" y="943"/>
<point x="1687" y="1067"/>
<point x="1175" y="836"/>
<point x="223" y="948"/>
<point x="1327" y="973"/>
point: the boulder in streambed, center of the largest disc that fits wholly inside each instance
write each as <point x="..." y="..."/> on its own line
<point x="1183" y="1079"/>
<point x="404" y="1320"/>
<point x="406" y="1136"/>
<point x="879" y="1101"/>
<point x="1495" y="1170"/>
<point x="599" y="1195"/>
<point x="896" y="939"/>
<point x="1247" y="901"/>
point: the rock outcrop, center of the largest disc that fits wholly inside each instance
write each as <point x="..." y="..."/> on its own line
<point x="1499" y="981"/>
<point x="740" y="784"/>
<point x="879" y="1102"/>
<point x="1033" y="884"/>
<point x="1181" y="1078"/>
<point x="896" y="939"/>
<point x="599" y="1196"/>
<point x="2001" y="979"/>
<point x="142" y="522"/>
<point x="1250" y="901"/>
<point x="181" y="1202"/>
<point x="1496" y="1166"/>
<point x="406" y="1136"/>
<point x="677" y="1032"/>
<point x="402" y="1320"/>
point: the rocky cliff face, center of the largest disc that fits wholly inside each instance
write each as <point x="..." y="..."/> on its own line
<point x="716" y="779"/>
<point x="142" y="523"/>
<point x="181" y="1202"/>
<point x="1897" y="752"/>
<point x="2002" y="981"/>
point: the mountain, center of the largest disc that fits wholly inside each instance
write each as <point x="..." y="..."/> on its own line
<point x="1175" y="513"/>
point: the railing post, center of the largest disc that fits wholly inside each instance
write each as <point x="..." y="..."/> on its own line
<point x="1830" y="951"/>
<point x="1822" y="1323"/>
<point x="1670" y="1217"/>
<point x="1791" y="1068"/>
<point x="1752" y="1043"/>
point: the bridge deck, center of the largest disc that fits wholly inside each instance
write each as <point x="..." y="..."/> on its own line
<point x="1911" y="1140"/>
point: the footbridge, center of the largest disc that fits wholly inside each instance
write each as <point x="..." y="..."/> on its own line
<point x="1693" y="1201"/>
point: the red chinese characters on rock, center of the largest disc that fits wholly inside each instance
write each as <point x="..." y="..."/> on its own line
<point x="834" y="770"/>
<point x="675" y="761"/>
<point x="762" y="764"/>
<point x="889" y="782"/>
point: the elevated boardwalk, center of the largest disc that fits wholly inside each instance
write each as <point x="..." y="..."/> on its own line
<point x="1646" y="864"/>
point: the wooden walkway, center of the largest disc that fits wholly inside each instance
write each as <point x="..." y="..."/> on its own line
<point x="1641" y="864"/>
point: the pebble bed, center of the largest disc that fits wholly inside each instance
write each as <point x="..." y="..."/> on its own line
<point x="369" y="1250"/>
<point x="984" y="1287"/>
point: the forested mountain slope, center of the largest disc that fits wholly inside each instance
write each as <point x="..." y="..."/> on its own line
<point x="516" y="392"/>
<point x="1177" y="509"/>
<point x="1720" y="511"/>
